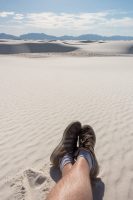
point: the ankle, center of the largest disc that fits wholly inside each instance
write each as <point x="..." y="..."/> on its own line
<point x="83" y="163"/>
<point x="66" y="169"/>
<point x="86" y="155"/>
<point x="65" y="160"/>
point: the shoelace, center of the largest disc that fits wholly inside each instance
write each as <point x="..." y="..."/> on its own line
<point x="88" y="141"/>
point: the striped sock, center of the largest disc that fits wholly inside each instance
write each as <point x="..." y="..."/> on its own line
<point x="87" y="155"/>
<point x="67" y="158"/>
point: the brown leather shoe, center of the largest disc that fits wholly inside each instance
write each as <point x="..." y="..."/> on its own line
<point x="87" y="140"/>
<point x="68" y="143"/>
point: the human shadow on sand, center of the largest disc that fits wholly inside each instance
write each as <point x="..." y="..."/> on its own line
<point x="98" y="187"/>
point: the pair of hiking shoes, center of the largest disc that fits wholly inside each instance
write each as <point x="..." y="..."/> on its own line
<point x="68" y="144"/>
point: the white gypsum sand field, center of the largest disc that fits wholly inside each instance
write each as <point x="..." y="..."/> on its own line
<point x="40" y="96"/>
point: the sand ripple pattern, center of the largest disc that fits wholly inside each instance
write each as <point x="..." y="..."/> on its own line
<point x="39" y="97"/>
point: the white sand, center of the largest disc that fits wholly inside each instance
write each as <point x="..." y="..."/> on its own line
<point x="40" y="96"/>
<point x="76" y="48"/>
<point x="106" y="47"/>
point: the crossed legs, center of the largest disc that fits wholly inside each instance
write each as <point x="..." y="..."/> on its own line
<point x="75" y="183"/>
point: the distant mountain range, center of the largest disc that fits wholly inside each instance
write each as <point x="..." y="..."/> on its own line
<point x="42" y="36"/>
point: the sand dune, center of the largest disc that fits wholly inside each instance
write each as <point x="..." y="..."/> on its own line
<point x="34" y="48"/>
<point x="39" y="97"/>
<point x="106" y="47"/>
<point x="75" y="48"/>
<point x="120" y="47"/>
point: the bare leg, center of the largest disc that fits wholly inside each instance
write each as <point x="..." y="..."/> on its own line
<point x="66" y="169"/>
<point x="75" y="183"/>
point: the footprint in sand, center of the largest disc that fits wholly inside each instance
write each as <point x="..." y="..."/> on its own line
<point x="35" y="178"/>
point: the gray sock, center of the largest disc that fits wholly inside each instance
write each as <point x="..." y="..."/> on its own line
<point x="67" y="158"/>
<point x="87" y="155"/>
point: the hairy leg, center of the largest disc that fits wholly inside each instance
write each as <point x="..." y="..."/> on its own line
<point x="75" y="183"/>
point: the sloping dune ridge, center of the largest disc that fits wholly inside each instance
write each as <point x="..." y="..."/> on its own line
<point x="105" y="47"/>
<point x="34" y="48"/>
<point x="83" y="48"/>
<point x="40" y="96"/>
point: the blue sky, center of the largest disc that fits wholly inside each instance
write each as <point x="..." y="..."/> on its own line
<point x="71" y="17"/>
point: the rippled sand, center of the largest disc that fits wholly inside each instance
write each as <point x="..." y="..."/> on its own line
<point x="39" y="97"/>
